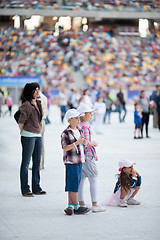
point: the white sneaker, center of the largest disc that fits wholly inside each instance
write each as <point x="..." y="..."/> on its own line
<point x="96" y="209"/>
<point x="132" y="201"/>
<point x="123" y="203"/>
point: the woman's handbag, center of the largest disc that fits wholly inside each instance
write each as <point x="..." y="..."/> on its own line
<point x="17" y="115"/>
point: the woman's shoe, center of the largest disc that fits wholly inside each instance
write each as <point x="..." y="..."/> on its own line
<point x="40" y="193"/>
<point x="28" y="194"/>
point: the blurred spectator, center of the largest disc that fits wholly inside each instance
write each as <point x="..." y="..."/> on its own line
<point x="137" y="120"/>
<point x="43" y="99"/>
<point x="108" y="102"/>
<point x="63" y="101"/>
<point x="144" y="102"/>
<point x="87" y="98"/>
<point x="48" y="96"/>
<point x="121" y="104"/>
<point x="75" y="98"/>
<point x="1" y="101"/>
<point x="99" y="114"/>
<point x="93" y="94"/>
<point x="9" y="103"/>
<point x="158" y="107"/>
<point x="155" y="113"/>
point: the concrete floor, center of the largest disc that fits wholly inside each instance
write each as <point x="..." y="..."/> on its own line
<point x="42" y="217"/>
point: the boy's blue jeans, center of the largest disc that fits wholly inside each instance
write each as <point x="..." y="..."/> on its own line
<point x="31" y="147"/>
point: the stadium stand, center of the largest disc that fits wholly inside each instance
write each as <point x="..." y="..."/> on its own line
<point x="37" y="4"/>
<point x="33" y="53"/>
<point x="102" y="59"/>
<point x="141" y="5"/>
<point x="101" y="55"/>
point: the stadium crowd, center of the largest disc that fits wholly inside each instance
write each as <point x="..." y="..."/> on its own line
<point x="32" y="53"/>
<point x="140" y="5"/>
<point x="101" y="58"/>
<point x="37" y="4"/>
<point x="104" y="59"/>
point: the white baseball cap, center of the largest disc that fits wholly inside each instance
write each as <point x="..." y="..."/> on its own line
<point x="125" y="163"/>
<point x="72" y="113"/>
<point x="84" y="108"/>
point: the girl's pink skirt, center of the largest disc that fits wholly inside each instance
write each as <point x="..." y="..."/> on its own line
<point x="115" y="198"/>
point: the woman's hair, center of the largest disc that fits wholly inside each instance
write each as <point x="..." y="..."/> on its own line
<point x="125" y="181"/>
<point x="29" y="90"/>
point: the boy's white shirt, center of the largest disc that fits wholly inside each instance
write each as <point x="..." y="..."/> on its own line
<point x="77" y="136"/>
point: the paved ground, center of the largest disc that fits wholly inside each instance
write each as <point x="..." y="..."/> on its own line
<point x="42" y="217"/>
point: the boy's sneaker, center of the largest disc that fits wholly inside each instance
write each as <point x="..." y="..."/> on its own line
<point x="81" y="210"/>
<point x="123" y="203"/>
<point x="69" y="211"/>
<point x="96" y="209"/>
<point x="132" y="201"/>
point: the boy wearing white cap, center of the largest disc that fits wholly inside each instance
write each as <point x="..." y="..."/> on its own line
<point x="127" y="186"/>
<point x="72" y="142"/>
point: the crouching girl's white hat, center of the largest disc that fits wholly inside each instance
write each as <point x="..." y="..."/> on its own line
<point x="84" y="108"/>
<point x="72" y="113"/>
<point x="125" y="163"/>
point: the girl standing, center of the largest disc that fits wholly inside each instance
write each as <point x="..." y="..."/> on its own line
<point x="89" y="168"/>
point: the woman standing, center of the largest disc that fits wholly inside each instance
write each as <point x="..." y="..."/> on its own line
<point x="144" y="102"/>
<point x="31" y="139"/>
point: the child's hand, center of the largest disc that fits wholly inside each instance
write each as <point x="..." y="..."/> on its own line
<point x="94" y="144"/>
<point x="135" y="173"/>
<point x="80" y="141"/>
<point x="85" y="142"/>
